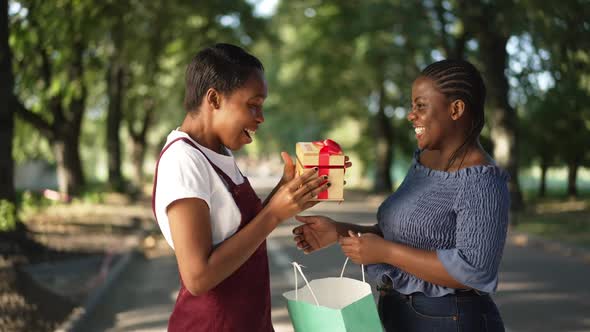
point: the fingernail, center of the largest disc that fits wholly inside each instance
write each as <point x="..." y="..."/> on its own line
<point x="315" y="169"/>
<point x="329" y="184"/>
<point x="325" y="177"/>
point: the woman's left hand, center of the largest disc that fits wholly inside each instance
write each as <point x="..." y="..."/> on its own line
<point x="367" y="248"/>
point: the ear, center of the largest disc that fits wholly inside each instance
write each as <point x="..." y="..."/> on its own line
<point x="457" y="109"/>
<point x="213" y="98"/>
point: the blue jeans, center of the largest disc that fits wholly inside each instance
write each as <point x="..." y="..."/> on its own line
<point x="418" y="313"/>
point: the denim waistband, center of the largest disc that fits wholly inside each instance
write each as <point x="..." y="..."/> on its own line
<point x="386" y="287"/>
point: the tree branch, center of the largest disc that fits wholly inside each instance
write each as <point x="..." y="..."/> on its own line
<point x="46" y="69"/>
<point x="34" y="119"/>
<point x="440" y="15"/>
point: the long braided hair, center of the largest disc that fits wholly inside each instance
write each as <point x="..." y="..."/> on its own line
<point x="459" y="79"/>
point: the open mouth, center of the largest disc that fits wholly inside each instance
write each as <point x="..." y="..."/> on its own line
<point x="419" y="130"/>
<point x="250" y="133"/>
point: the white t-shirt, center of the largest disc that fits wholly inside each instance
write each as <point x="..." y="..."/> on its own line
<point x="184" y="172"/>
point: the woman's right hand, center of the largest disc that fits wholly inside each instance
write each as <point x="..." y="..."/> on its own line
<point x="317" y="232"/>
<point x="296" y="195"/>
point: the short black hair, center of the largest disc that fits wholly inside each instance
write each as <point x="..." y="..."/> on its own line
<point x="224" y="67"/>
<point x="459" y="79"/>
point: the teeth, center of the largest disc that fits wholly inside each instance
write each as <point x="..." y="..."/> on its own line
<point x="250" y="132"/>
<point x="419" y="130"/>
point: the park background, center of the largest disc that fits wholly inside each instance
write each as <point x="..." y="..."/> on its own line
<point x="90" y="89"/>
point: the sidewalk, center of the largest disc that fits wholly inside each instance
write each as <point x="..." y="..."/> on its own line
<point x="538" y="291"/>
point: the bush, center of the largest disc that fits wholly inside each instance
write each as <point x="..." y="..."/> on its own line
<point x="7" y="216"/>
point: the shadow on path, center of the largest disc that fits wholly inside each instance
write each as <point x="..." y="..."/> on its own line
<point x="538" y="291"/>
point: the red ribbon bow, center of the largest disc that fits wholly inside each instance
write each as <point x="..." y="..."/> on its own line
<point x="328" y="146"/>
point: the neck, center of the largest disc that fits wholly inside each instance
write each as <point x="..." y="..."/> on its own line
<point x="455" y="156"/>
<point x="199" y="128"/>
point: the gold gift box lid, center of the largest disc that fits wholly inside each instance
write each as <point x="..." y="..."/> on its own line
<point x="308" y="155"/>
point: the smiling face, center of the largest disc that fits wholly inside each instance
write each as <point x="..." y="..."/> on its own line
<point x="430" y="115"/>
<point x="240" y="112"/>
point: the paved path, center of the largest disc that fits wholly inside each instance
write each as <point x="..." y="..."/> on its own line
<point x="537" y="292"/>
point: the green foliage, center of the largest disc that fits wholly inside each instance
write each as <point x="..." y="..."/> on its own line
<point x="91" y="197"/>
<point x="560" y="225"/>
<point x="561" y="37"/>
<point x="7" y="216"/>
<point x="93" y="193"/>
<point x="331" y="60"/>
<point x="29" y="143"/>
<point x="30" y="202"/>
<point x="326" y="63"/>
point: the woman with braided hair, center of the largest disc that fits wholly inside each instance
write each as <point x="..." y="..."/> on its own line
<point x="436" y="248"/>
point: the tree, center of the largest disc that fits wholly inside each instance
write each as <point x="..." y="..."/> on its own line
<point x="561" y="32"/>
<point x="539" y="137"/>
<point x="343" y="60"/>
<point x="116" y="74"/>
<point x="162" y="39"/>
<point x="7" y="98"/>
<point x="52" y="56"/>
<point x="492" y="24"/>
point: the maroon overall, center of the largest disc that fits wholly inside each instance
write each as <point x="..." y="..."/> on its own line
<point x="241" y="302"/>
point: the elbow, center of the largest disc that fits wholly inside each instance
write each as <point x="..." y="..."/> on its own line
<point x="454" y="283"/>
<point x="196" y="285"/>
<point x="196" y="288"/>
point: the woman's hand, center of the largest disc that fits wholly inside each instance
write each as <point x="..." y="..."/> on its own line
<point x="296" y="195"/>
<point x="289" y="167"/>
<point x="317" y="232"/>
<point x="367" y="248"/>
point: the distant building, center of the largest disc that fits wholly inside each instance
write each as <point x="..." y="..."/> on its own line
<point x="35" y="175"/>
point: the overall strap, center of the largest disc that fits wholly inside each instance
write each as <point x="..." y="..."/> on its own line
<point x="228" y="181"/>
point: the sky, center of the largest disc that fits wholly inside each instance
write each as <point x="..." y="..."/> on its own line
<point x="264" y="8"/>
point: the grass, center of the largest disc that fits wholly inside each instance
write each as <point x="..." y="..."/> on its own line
<point x="558" y="219"/>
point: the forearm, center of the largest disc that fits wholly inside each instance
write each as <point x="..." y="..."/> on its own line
<point x="423" y="264"/>
<point x="343" y="228"/>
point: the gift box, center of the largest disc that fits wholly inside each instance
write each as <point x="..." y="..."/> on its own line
<point x="329" y="158"/>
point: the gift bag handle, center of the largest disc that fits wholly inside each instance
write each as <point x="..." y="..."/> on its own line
<point x="297" y="267"/>
<point x="346" y="261"/>
<point x="344" y="267"/>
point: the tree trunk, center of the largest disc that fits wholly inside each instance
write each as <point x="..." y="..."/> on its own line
<point x="503" y="116"/>
<point x="139" y="142"/>
<point x="543" y="184"/>
<point x="115" y="86"/>
<point x="572" y="175"/>
<point x="137" y="155"/>
<point x="68" y="138"/>
<point x="69" y="167"/>
<point x="7" y="99"/>
<point x="384" y="147"/>
<point x="454" y="46"/>
<point x="63" y="132"/>
<point x="66" y="145"/>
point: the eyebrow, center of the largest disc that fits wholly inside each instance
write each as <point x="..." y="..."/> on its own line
<point x="418" y="98"/>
